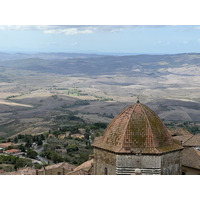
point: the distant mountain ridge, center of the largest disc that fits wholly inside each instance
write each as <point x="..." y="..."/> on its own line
<point x="48" y="56"/>
<point x="90" y="64"/>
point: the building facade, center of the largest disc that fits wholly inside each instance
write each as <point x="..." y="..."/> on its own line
<point x="136" y="139"/>
<point x="56" y="169"/>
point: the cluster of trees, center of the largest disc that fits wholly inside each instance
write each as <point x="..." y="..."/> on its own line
<point x="30" y="139"/>
<point x="103" y="98"/>
<point x="192" y="127"/>
<point x="13" y="163"/>
<point x="76" y="103"/>
<point x="32" y="154"/>
<point x="50" y="154"/>
<point x="69" y="117"/>
<point x="74" y="150"/>
<point x="75" y="129"/>
<point x="71" y="150"/>
<point x="16" y="161"/>
<point x="3" y="140"/>
<point x="98" y="125"/>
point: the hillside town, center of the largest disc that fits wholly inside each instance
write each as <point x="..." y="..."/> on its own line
<point x="80" y="153"/>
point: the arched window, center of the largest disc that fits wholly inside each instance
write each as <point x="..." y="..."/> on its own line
<point x="106" y="171"/>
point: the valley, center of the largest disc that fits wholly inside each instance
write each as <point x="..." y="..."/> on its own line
<point x="35" y="89"/>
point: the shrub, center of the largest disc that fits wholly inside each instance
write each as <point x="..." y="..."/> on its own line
<point x="32" y="154"/>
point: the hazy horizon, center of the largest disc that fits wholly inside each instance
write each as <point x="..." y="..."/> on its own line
<point x="101" y="39"/>
<point x="97" y="53"/>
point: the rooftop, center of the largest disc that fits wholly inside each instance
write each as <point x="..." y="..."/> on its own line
<point x="13" y="151"/>
<point x="5" y="145"/>
<point x="191" y="157"/>
<point x="64" y="165"/>
<point x="180" y="132"/>
<point x="193" y="141"/>
<point x="137" y="129"/>
<point x="83" y="169"/>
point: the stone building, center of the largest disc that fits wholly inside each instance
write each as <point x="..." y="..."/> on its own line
<point x="56" y="169"/>
<point x="190" y="153"/>
<point x="136" y="138"/>
<point x="85" y="168"/>
<point x="6" y="145"/>
<point x="191" y="161"/>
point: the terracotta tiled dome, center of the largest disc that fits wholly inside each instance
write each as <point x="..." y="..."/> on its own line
<point x="137" y="129"/>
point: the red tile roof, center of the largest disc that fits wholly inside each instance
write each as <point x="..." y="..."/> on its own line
<point x="84" y="169"/>
<point x="64" y="165"/>
<point x="5" y="145"/>
<point x="11" y="151"/>
<point x="180" y="132"/>
<point x="193" y="141"/>
<point x="137" y="129"/>
<point x="182" y="139"/>
<point x="191" y="157"/>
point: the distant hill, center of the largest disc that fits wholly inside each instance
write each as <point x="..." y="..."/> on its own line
<point x="151" y="65"/>
<point x="176" y="110"/>
<point x="48" y="56"/>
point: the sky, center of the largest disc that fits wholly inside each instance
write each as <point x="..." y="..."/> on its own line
<point x="155" y="39"/>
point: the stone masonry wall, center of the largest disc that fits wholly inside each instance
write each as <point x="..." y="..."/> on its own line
<point x="171" y="163"/>
<point x="150" y="164"/>
<point x="104" y="161"/>
<point x="165" y="164"/>
<point x="56" y="171"/>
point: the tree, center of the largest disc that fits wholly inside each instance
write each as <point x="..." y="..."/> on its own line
<point x="56" y="158"/>
<point x="42" y="137"/>
<point x="21" y="162"/>
<point x="15" y="140"/>
<point x="32" y="154"/>
<point x="87" y="136"/>
<point x="22" y="147"/>
<point x="72" y="148"/>
<point x="38" y="166"/>
<point x="9" y="140"/>
<point x="20" y="136"/>
<point x="35" y="138"/>
<point x="39" y="142"/>
<point x="28" y="144"/>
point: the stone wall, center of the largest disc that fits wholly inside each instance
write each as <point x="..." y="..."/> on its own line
<point x="104" y="162"/>
<point x="171" y="163"/>
<point x="149" y="164"/>
<point x="111" y="163"/>
<point x="55" y="171"/>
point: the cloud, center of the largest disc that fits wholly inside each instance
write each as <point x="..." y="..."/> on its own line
<point x="75" y="29"/>
<point x="70" y="30"/>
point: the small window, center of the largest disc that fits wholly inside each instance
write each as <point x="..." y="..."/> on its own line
<point x="106" y="171"/>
